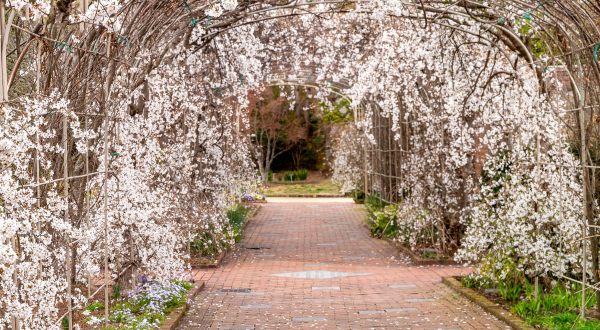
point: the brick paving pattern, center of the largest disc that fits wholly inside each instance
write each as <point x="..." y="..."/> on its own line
<point x="311" y="264"/>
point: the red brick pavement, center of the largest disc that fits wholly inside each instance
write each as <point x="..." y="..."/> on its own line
<point x="380" y="289"/>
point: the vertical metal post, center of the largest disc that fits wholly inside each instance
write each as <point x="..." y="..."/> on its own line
<point x="106" y="132"/>
<point x="86" y="198"/>
<point x="537" y="161"/>
<point x="583" y="152"/>
<point x="38" y="78"/>
<point x="3" y="66"/>
<point x="390" y="153"/>
<point x="66" y="216"/>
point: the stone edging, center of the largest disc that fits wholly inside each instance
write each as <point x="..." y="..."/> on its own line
<point x="489" y="306"/>
<point x="170" y="323"/>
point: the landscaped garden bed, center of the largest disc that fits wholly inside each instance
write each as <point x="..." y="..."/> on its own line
<point x="515" y="302"/>
<point x="208" y="250"/>
<point x="382" y="222"/>
<point x="152" y="305"/>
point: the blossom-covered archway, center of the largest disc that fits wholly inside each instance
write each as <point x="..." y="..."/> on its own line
<point x="120" y="139"/>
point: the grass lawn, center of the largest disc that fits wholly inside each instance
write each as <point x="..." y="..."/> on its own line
<point x="322" y="187"/>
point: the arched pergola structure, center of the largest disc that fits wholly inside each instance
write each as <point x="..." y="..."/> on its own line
<point x="105" y="102"/>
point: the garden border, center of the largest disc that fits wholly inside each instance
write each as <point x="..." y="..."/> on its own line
<point x="219" y="260"/>
<point x="177" y="314"/>
<point x="489" y="306"/>
<point x="414" y="259"/>
<point x="418" y="261"/>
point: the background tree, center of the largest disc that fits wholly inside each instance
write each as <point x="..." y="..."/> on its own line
<point x="275" y="128"/>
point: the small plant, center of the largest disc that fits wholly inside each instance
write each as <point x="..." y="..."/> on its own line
<point x="510" y="290"/>
<point x="374" y="203"/>
<point x="302" y="174"/>
<point x="384" y="222"/>
<point x="117" y="291"/>
<point x="95" y="306"/>
<point x="428" y="254"/>
<point x="554" y="309"/>
<point x="209" y="242"/>
<point x="477" y="281"/>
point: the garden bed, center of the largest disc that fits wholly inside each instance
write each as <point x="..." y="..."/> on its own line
<point x="557" y="308"/>
<point x="239" y="220"/>
<point x="152" y="305"/>
<point x="488" y="305"/>
<point x="381" y="222"/>
<point x="172" y="320"/>
<point x="424" y="257"/>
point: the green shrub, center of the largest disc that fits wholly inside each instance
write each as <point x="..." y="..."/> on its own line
<point x="299" y="175"/>
<point x="237" y="216"/>
<point x="211" y="242"/>
<point x="374" y="204"/>
<point x="302" y="174"/>
<point x="358" y="196"/>
<point x="384" y="222"/>
<point x="95" y="306"/>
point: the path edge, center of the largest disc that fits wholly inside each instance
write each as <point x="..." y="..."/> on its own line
<point x="489" y="306"/>
<point x="177" y="314"/>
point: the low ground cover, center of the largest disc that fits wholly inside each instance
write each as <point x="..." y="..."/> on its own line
<point x="144" y="308"/>
<point x="555" y="307"/>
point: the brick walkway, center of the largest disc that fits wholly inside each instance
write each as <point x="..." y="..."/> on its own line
<point x="311" y="264"/>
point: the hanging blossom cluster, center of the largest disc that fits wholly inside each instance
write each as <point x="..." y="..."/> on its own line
<point x="34" y="234"/>
<point x="349" y="160"/>
<point x="527" y="215"/>
<point x="176" y="161"/>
